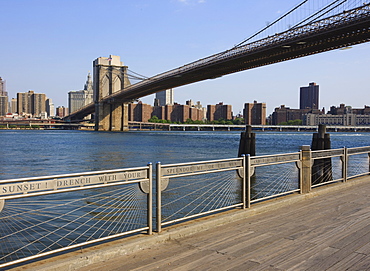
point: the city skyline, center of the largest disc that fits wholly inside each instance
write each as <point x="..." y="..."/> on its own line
<point x="56" y="62"/>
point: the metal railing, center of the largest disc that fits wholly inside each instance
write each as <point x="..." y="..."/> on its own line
<point x="183" y="194"/>
<point x="356" y="162"/>
<point x="41" y="216"/>
<point x="328" y="166"/>
<point x="273" y="175"/>
<point x="45" y="215"/>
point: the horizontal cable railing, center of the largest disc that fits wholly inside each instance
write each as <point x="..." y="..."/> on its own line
<point x="190" y="190"/>
<point x="358" y="162"/>
<point x="273" y="175"/>
<point x="327" y="166"/>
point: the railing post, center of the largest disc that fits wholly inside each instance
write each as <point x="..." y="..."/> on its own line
<point x="244" y="183"/>
<point x="150" y="199"/>
<point x="248" y="173"/>
<point x="344" y="164"/>
<point x="305" y="169"/>
<point x="159" y="197"/>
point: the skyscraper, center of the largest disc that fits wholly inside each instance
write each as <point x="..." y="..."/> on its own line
<point x="31" y="103"/>
<point x="79" y="98"/>
<point x="165" y="97"/>
<point x="309" y="97"/>
<point x="3" y="98"/>
<point x="50" y="108"/>
<point x="2" y="88"/>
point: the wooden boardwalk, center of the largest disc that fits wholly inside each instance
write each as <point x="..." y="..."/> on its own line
<point x="329" y="231"/>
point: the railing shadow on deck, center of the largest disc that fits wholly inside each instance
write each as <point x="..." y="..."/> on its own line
<point x="42" y="216"/>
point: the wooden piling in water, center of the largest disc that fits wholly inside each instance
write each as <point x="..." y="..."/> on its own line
<point x="247" y="144"/>
<point x="322" y="168"/>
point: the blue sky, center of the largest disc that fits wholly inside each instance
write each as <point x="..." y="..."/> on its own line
<point x="48" y="46"/>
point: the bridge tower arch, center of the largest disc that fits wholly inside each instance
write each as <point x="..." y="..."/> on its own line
<point x="110" y="76"/>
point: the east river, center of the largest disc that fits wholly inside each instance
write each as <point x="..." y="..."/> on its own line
<point x="28" y="153"/>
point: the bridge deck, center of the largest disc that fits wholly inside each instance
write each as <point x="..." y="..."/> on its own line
<point x="325" y="232"/>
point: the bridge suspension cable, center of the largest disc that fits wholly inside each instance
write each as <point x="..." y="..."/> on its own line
<point x="271" y="24"/>
<point x="305" y="12"/>
<point x="324" y="11"/>
<point x="135" y="76"/>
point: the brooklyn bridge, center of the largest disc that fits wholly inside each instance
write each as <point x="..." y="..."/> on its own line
<point x="320" y="32"/>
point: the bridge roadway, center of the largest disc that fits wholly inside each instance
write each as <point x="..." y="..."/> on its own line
<point x="327" y="229"/>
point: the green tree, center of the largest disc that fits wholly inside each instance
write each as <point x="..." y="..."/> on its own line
<point x="153" y="119"/>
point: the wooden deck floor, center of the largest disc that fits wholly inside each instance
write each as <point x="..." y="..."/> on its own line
<point x="327" y="232"/>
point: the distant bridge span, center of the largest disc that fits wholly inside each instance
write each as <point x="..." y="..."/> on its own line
<point x="345" y="29"/>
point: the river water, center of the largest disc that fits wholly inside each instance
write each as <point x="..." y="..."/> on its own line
<point x="28" y="153"/>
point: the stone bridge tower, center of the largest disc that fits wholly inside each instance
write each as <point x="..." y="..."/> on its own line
<point x="110" y="76"/>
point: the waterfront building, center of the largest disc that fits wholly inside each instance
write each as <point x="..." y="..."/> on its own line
<point x="219" y="111"/>
<point x="3" y="105"/>
<point x="284" y="114"/>
<point x="343" y="109"/>
<point x="3" y="88"/>
<point x="38" y="104"/>
<point x="140" y="112"/>
<point x="13" y="106"/>
<point x="309" y="96"/>
<point x="197" y="111"/>
<point x="61" y="111"/>
<point x="50" y="108"/>
<point x="24" y="102"/>
<point x="3" y="99"/>
<point x="79" y="98"/>
<point x="174" y="113"/>
<point x="180" y="113"/>
<point x="31" y="103"/>
<point x="347" y="119"/>
<point x="165" y="97"/>
<point x="254" y="113"/>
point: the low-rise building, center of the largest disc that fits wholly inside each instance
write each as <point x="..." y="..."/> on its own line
<point x="342" y="120"/>
<point x="285" y="114"/>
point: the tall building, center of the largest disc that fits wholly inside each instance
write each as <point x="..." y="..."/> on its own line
<point x="165" y="97"/>
<point x="38" y="104"/>
<point x="50" y="108"/>
<point x="13" y="106"/>
<point x="219" y="111"/>
<point x="255" y="113"/>
<point x="3" y="88"/>
<point x="31" y="103"/>
<point x="3" y="105"/>
<point x="24" y="102"/>
<point x="3" y="98"/>
<point x="309" y="97"/>
<point x="79" y="98"/>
